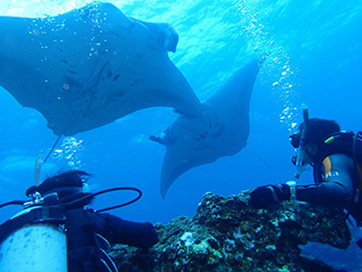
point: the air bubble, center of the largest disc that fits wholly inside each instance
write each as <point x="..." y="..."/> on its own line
<point x="70" y="151"/>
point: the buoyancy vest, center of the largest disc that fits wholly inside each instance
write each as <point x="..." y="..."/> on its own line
<point x="85" y="252"/>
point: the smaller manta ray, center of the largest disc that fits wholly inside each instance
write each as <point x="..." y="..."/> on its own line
<point x="90" y="66"/>
<point x="191" y="143"/>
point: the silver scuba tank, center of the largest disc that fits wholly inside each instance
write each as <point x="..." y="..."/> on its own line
<point x="34" y="240"/>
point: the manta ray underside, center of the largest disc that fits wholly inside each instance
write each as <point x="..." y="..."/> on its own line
<point x="191" y="143"/>
<point x="90" y="66"/>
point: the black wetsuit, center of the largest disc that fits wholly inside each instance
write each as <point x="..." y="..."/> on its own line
<point x="82" y="225"/>
<point x="338" y="183"/>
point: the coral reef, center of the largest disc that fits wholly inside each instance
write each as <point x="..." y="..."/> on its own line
<point x="228" y="235"/>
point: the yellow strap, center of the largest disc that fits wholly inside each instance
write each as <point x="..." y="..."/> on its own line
<point x="327" y="167"/>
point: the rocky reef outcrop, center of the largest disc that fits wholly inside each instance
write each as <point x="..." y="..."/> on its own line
<point x="226" y="234"/>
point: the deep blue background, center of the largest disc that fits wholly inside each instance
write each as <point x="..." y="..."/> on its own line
<point x="315" y="57"/>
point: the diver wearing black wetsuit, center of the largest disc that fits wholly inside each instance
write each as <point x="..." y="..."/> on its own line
<point x="338" y="186"/>
<point x="88" y="232"/>
<point x="84" y="249"/>
<point x="336" y="172"/>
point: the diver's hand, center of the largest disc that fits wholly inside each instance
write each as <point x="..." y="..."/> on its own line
<point x="264" y="196"/>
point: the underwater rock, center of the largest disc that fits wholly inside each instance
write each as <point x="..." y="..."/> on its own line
<point x="228" y="235"/>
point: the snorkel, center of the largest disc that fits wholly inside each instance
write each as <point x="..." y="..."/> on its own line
<point x="39" y="162"/>
<point x="300" y="165"/>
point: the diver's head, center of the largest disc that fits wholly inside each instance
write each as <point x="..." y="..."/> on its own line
<point x="317" y="132"/>
<point x="66" y="187"/>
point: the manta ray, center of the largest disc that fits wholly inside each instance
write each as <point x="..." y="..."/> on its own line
<point x="191" y="143"/>
<point x="90" y="66"/>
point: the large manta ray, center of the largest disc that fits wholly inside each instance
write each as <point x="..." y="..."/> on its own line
<point x="191" y="143"/>
<point x="90" y="66"/>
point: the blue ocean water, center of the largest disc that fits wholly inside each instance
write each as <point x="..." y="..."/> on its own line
<point x="315" y="57"/>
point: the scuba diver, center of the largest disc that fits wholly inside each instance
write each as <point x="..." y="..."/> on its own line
<point x="335" y="156"/>
<point x="57" y="206"/>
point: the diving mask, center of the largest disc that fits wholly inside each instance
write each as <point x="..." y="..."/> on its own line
<point x="295" y="139"/>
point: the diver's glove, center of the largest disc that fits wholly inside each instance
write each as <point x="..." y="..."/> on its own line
<point x="264" y="196"/>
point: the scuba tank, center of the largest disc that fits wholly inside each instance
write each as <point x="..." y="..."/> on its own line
<point x="34" y="240"/>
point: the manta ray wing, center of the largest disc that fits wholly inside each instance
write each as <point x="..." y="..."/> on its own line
<point x="90" y="66"/>
<point x="191" y="143"/>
